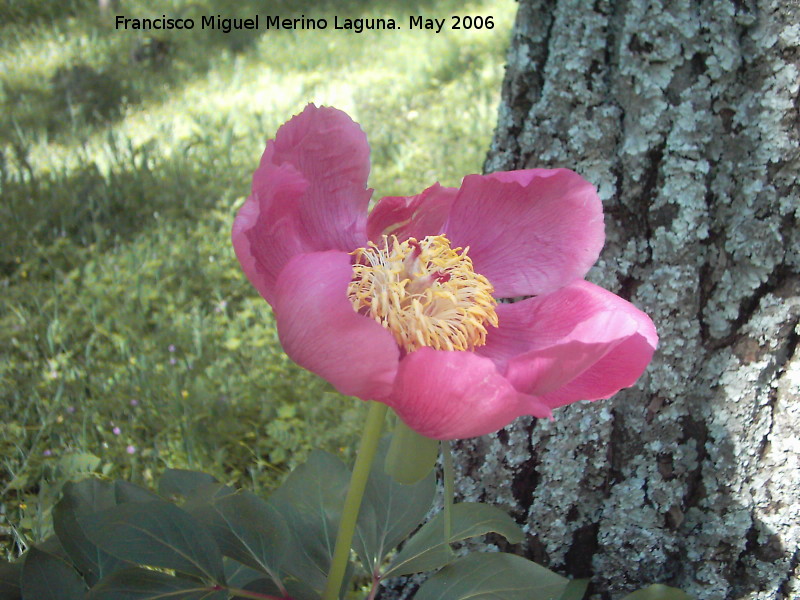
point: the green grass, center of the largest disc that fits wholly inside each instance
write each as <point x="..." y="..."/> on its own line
<point x="130" y="339"/>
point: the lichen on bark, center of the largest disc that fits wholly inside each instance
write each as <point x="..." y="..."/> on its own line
<point x="685" y="115"/>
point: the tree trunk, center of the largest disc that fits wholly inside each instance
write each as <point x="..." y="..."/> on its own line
<point x="685" y="115"/>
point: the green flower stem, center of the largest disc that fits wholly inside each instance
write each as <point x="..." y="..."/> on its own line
<point x="449" y="489"/>
<point x="352" y="502"/>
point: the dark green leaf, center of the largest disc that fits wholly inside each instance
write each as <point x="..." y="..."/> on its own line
<point x="125" y="491"/>
<point x="180" y="482"/>
<point x="658" y="591"/>
<point x="238" y="575"/>
<point x="79" y="500"/>
<point x="310" y="501"/>
<point x="427" y="550"/>
<point x="10" y="575"/>
<point x="157" y="534"/>
<point x="301" y="590"/>
<point x="46" y="577"/>
<point x="492" y="576"/>
<point x="247" y="529"/>
<point x="262" y="586"/>
<point x="411" y="456"/>
<point x="144" y="584"/>
<point x="575" y="590"/>
<point x="389" y="511"/>
<point x="51" y="545"/>
<point x="206" y="494"/>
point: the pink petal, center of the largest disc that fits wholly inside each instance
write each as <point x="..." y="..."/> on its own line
<point x="308" y="195"/>
<point x="579" y="343"/>
<point x="411" y="216"/>
<point x="545" y="370"/>
<point x="265" y="231"/>
<point x="529" y="232"/>
<point x="331" y="153"/>
<point x="455" y="395"/>
<point x="618" y="369"/>
<point x="321" y="332"/>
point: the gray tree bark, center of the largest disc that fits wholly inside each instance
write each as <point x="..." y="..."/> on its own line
<point x="685" y="115"/>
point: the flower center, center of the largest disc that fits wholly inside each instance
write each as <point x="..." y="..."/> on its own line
<point x="424" y="292"/>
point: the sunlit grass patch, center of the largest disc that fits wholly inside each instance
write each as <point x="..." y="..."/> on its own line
<point x="127" y="329"/>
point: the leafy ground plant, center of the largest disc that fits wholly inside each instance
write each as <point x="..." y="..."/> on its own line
<point x="199" y="538"/>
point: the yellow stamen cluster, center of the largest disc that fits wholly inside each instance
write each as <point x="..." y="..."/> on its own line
<point x="424" y="292"/>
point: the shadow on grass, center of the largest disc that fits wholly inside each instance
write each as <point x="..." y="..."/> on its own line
<point x="91" y="207"/>
<point x="32" y="12"/>
<point x="142" y="67"/>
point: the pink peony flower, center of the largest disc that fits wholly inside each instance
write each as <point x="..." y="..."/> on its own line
<point x="399" y="306"/>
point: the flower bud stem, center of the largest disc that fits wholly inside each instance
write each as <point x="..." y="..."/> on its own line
<point x="352" y="502"/>
<point x="449" y="487"/>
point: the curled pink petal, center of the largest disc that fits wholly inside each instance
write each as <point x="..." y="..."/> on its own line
<point x="455" y="395"/>
<point x="265" y="231"/>
<point x="545" y="370"/>
<point x="331" y="153"/>
<point x="617" y="369"/>
<point x="320" y="331"/>
<point x="529" y="232"/>
<point x="413" y="216"/>
<point x="309" y="194"/>
<point x="578" y="343"/>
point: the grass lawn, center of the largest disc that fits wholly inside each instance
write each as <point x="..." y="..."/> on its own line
<point x="130" y="339"/>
